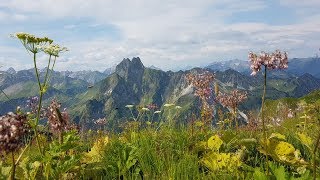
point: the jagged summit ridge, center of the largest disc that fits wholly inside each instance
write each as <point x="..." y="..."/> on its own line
<point x="128" y="67"/>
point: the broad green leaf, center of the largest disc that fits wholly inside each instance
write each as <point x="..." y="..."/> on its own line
<point x="277" y="136"/>
<point x="284" y="148"/>
<point x="306" y="140"/>
<point x="214" y="143"/>
<point x="259" y="175"/>
<point x="280" y="173"/>
<point x="94" y="155"/>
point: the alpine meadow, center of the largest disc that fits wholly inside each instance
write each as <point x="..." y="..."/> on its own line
<point x="160" y="90"/>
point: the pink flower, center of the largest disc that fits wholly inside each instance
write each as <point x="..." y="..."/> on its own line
<point x="276" y="60"/>
<point x="13" y="128"/>
<point x="101" y="121"/>
<point x="58" y="121"/>
<point x="231" y="100"/>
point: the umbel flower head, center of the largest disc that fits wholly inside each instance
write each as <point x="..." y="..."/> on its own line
<point x="31" y="42"/>
<point x="275" y="60"/>
<point x="53" y="49"/>
<point x="130" y="106"/>
<point x="231" y="100"/>
<point x="13" y="127"/>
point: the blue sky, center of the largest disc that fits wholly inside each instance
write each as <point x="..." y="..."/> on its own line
<point x="166" y="33"/>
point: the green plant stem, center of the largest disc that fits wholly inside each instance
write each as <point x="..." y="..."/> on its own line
<point x="46" y="76"/>
<point x="60" y="137"/>
<point x="170" y="118"/>
<point x="235" y="117"/>
<point x="305" y="123"/>
<point x="21" y="154"/>
<point x="23" y="151"/>
<point x="54" y="62"/>
<point x="132" y="115"/>
<point x="36" y="70"/>
<point x="39" y="105"/>
<point x="152" y="117"/>
<point x="262" y="117"/>
<point x="13" y="168"/>
<point x="138" y="117"/>
<point x="314" y="156"/>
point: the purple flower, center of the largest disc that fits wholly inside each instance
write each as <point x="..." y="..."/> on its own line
<point x="12" y="129"/>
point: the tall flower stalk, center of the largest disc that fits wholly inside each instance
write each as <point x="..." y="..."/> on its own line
<point x="268" y="61"/>
<point x="232" y="101"/>
<point x="203" y="89"/>
<point x="34" y="45"/>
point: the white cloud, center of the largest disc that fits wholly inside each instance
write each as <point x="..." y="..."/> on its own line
<point x="170" y="33"/>
<point x="6" y="17"/>
<point x="301" y="4"/>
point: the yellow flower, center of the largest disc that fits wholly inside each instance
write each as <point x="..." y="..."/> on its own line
<point x="31" y="42"/>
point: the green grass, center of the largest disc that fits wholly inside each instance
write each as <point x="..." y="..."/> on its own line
<point x="181" y="152"/>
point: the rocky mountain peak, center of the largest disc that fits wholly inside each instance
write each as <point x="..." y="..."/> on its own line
<point x="11" y="71"/>
<point x="132" y="68"/>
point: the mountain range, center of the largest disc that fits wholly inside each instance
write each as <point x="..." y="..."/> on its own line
<point x="297" y="66"/>
<point x="91" y="95"/>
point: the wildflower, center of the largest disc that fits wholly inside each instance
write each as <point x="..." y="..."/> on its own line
<point x="32" y="105"/>
<point x="276" y="121"/>
<point x="145" y="109"/>
<point x="203" y="89"/>
<point x="58" y="121"/>
<point x="31" y="42"/>
<point x="53" y="49"/>
<point x="152" y="106"/>
<point x="290" y="114"/>
<point x="178" y="107"/>
<point x="231" y="100"/>
<point x="101" y="121"/>
<point x="276" y="60"/>
<point x="168" y="105"/>
<point x="202" y="83"/>
<point x="129" y="106"/>
<point x="12" y="129"/>
<point x="157" y="112"/>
